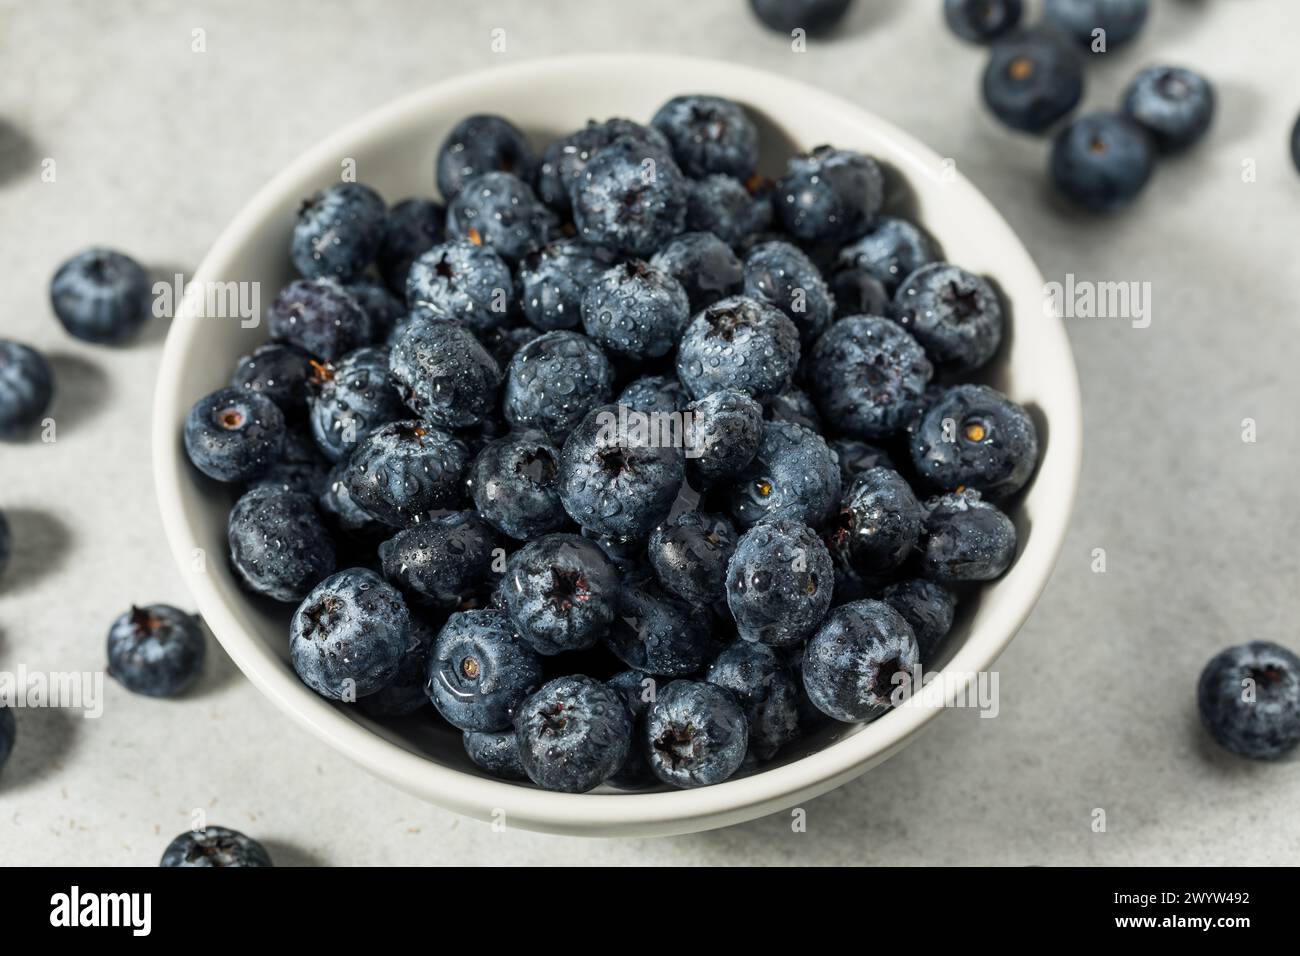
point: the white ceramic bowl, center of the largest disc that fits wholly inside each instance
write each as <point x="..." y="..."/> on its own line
<point x="394" y="149"/>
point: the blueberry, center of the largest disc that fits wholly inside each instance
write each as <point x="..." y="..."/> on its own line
<point x="793" y="405"/>
<point x="1174" y="105"/>
<point x="156" y="650"/>
<point x="657" y="633"/>
<point x="635" y="310"/>
<point x="279" y="547"/>
<point x="766" y="690"/>
<point x="386" y="311"/>
<point x="442" y="560"/>
<point x="654" y="393"/>
<point x="638" y="691"/>
<point x="1033" y="78"/>
<point x="631" y="197"/>
<point x="1102" y="161"/>
<point x="1249" y="699"/>
<point x="503" y="212"/>
<point x="101" y="296"/>
<point x="689" y="554"/>
<point x="351" y="399"/>
<point x="954" y="314"/>
<point x="868" y="376"/>
<point x="1295" y="144"/>
<point x="975" y="437"/>
<point x="26" y="387"/>
<point x="966" y="539"/>
<point x="461" y="280"/>
<point x="891" y="251"/>
<point x="813" y="16"/>
<point x="857" y="292"/>
<point x="565" y="159"/>
<point x="412" y="228"/>
<point x="344" y="514"/>
<point x="321" y="317"/>
<point x="860" y="661"/>
<point x="338" y="232"/>
<point x="728" y="208"/>
<point x="213" y="847"/>
<point x="723" y="432"/>
<point x="234" y="435"/>
<point x="300" y="467"/>
<point x="858" y="456"/>
<point x="348" y="637"/>
<point x="553" y="279"/>
<point x="405" y="694"/>
<point x="496" y="752"/>
<point x="779" y="582"/>
<point x="704" y="265"/>
<point x="513" y="484"/>
<point x="502" y="343"/>
<point x="927" y="607"/>
<point x="779" y="273"/>
<point x="981" y="21"/>
<point x="406" y="469"/>
<point x="1119" y="20"/>
<point x="738" y="343"/>
<point x="8" y="733"/>
<point x="479" y="144"/>
<point x="829" y="195"/>
<point x="279" y="372"/>
<point x="879" y="522"/>
<point x="696" y="734"/>
<point x="444" y="374"/>
<point x="618" y="476"/>
<point x="794" y="475"/>
<point x="562" y="592"/>
<point x="574" y="734"/>
<point x="709" y="135"/>
<point x="554" y="380"/>
<point x="480" y="671"/>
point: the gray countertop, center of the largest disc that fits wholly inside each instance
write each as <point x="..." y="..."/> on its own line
<point x="155" y="147"/>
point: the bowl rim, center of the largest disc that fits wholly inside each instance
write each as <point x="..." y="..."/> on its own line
<point x="676" y="811"/>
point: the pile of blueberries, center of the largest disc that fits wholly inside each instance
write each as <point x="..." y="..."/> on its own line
<point x="1101" y="160"/>
<point x="637" y="465"/>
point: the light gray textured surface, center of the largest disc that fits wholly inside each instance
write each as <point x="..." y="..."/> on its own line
<point x="156" y="147"/>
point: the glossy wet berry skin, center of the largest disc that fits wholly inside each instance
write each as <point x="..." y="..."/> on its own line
<point x="703" y="265"/>
<point x="349" y="400"/>
<point x="730" y="209"/>
<point x="779" y="273"/>
<point x="565" y="159"/>
<point x="741" y="343"/>
<point x="156" y="650"/>
<point x="496" y="753"/>
<point x="1033" y="79"/>
<point x="927" y="607"/>
<point x="101" y="296"/>
<point x="860" y="661"/>
<point x="234" y="435"/>
<point x="1174" y="105"/>
<point x="658" y="633"/>
<point x="442" y="560"/>
<point x="1121" y="20"/>
<point x="480" y="144"/>
<point x="279" y="545"/>
<point x="689" y="554"/>
<point x="574" y="733"/>
<point x="553" y="279"/>
<point x="779" y="582"/>
<point x="406" y="469"/>
<point x="856" y="456"/>
<point x="1249" y="700"/>
<point x="462" y="280"/>
<point x="635" y="310"/>
<point x="955" y="315"/>
<point x="965" y="539"/>
<point x="793" y="475"/>
<point x="709" y="135"/>
<point x="26" y="387"/>
<point x="561" y="592"/>
<point x="829" y="195"/>
<point x="1102" y="161"/>
<point x="513" y="482"/>
<point x="411" y="228"/>
<point x="617" y="476"/>
<point x="765" y="688"/>
<point x="214" y="847"/>
<point x="320" y="317"/>
<point x="654" y="393"/>
<point x="857" y="292"/>
<point x="815" y="16"/>
<point x="338" y="232"/>
<point x="554" y="380"/>
<point x="980" y="21"/>
<point x="975" y="437"/>
<point x="631" y="197"/>
<point x="890" y="252"/>
<point x="405" y="694"/>
<point x="696" y="734"/>
<point x="723" y="433"/>
<point x="348" y="637"/>
<point x="868" y="375"/>
<point x="879" y="522"/>
<point x="444" y="374"/>
<point x="504" y="212"/>
<point x="638" y="691"/>
<point x="480" y="671"/>
<point x="278" y="371"/>
<point x="386" y="310"/>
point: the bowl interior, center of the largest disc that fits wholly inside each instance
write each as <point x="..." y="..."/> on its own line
<point x="393" y="150"/>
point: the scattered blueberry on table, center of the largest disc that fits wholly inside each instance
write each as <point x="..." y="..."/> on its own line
<point x="101" y="296"/>
<point x="1249" y="700"/>
<point x="981" y="21"/>
<point x="214" y="847"/>
<point x="156" y="650"/>
<point x="26" y="388"/>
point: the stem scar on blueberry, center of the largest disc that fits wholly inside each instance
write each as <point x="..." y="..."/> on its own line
<point x="1021" y="68"/>
<point x="1269" y="676"/>
<point x="553" y="719"/>
<point x="568" y="588"/>
<point x="883" y="686"/>
<point x="538" y="466"/>
<point x="964" y="302"/>
<point x="677" y="744"/>
<point x="142" y="620"/>
<point x="975" y="431"/>
<point x="471" y="668"/>
<point x="763" y="487"/>
<point x="614" y="461"/>
<point x="230" y="418"/>
<point x="475" y="236"/>
<point x="321" y="372"/>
